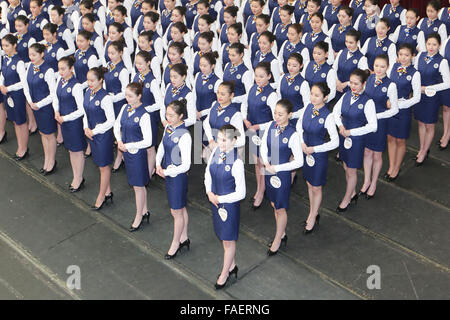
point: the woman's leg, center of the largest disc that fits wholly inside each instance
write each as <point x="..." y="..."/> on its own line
<point x="151" y="159"/>
<point x="178" y="226"/>
<point x="32" y="125"/>
<point x="50" y="150"/>
<point x="315" y="199"/>
<point x="400" y="155"/>
<point x="77" y="162"/>
<point x="352" y="178"/>
<point x="229" y="248"/>
<point x="377" y="164"/>
<point x="392" y="153"/>
<point x="281" y="228"/>
<point x="141" y="197"/>
<point x="2" y="120"/>
<point x="446" y="120"/>
<point x="22" y="135"/>
<point x="184" y="234"/>
<point x="428" y="139"/>
<point x="368" y="165"/>
<point x="59" y="136"/>
<point x="119" y="159"/>
<point x="422" y="132"/>
<point x="105" y="184"/>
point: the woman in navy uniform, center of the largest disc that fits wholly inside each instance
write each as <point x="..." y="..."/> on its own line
<point x="133" y="132"/>
<point x="230" y="15"/>
<point x="115" y="33"/>
<point x="258" y="108"/>
<point x="279" y="143"/>
<point x="408" y="82"/>
<point x="294" y="87"/>
<point x="265" y="54"/>
<point x="315" y="123"/>
<point x="98" y="122"/>
<point x="338" y="31"/>
<point x="238" y="72"/>
<point x="68" y="106"/>
<point x="262" y="24"/>
<point x="316" y="35"/>
<point x="15" y="9"/>
<point x="318" y="70"/>
<point x="366" y="22"/>
<point x="395" y="13"/>
<point x="312" y="8"/>
<point x="204" y="26"/>
<point x="291" y="45"/>
<point x="383" y="92"/>
<point x="176" y="90"/>
<point x="435" y="76"/>
<point x="12" y="78"/>
<point x="54" y="50"/>
<point x="85" y="57"/>
<point x="152" y="100"/>
<point x="358" y="8"/>
<point x="64" y="35"/>
<point x="205" y="41"/>
<point x="280" y="30"/>
<point x="256" y="7"/>
<point x="206" y="84"/>
<point x="116" y="80"/>
<point x="173" y="161"/>
<point x="225" y="187"/>
<point x="175" y="55"/>
<point x="166" y="14"/>
<point x="331" y="12"/>
<point x="409" y="32"/>
<point x="355" y="116"/>
<point x="347" y="60"/>
<point x="234" y="35"/>
<point x="38" y="19"/>
<point x="38" y="88"/>
<point x="88" y="23"/>
<point x="379" y="44"/>
<point x="431" y="24"/>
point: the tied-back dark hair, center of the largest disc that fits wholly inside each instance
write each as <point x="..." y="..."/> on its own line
<point x="296" y="56"/>
<point x="207" y="35"/>
<point x="384" y="57"/>
<point x="181" y="10"/>
<point x="348" y="10"/>
<point x="89" y="16"/>
<point x="363" y="75"/>
<point x="239" y="47"/>
<point x="264" y="17"/>
<point x="322" y="45"/>
<point x="147" y="34"/>
<point x="99" y="72"/>
<point x="211" y="57"/>
<point x="180" y="26"/>
<point x="85" y="34"/>
<point x="323" y="87"/>
<point x="232" y="10"/>
<point x="354" y="33"/>
<point x="59" y="9"/>
<point x="23" y="19"/>
<point x="145" y="55"/>
<point x="154" y="16"/>
<point x="178" y="106"/>
<point x="11" y="39"/>
<point x="180" y="68"/>
<point x="136" y="87"/>
<point x="286" y="104"/>
<point x="38" y="47"/>
<point x="265" y="66"/>
<point x="50" y="27"/>
<point x="178" y="46"/>
<point x="209" y="20"/>
<point x="408" y="47"/>
<point x="269" y="35"/>
<point x="229" y="131"/>
<point x="69" y="60"/>
<point x="289" y="9"/>
<point x="434" y="35"/>
<point x="229" y="85"/>
<point x="236" y="27"/>
<point x="118" y="45"/>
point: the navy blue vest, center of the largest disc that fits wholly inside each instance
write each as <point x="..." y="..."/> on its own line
<point x="37" y="85"/>
<point x="205" y="91"/>
<point x="129" y="124"/>
<point x="92" y="107"/>
<point x="314" y="131"/>
<point x="403" y="80"/>
<point x="353" y="114"/>
<point x="258" y="111"/>
<point x="67" y="103"/>
<point x="222" y="180"/>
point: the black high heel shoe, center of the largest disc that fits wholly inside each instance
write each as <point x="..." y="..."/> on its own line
<point x="109" y="197"/>
<point x="20" y="158"/>
<point x="221" y="286"/>
<point x="146" y="216"/>
<point x="133" y="229"/>
<point x="283" y="241"/>
<point x="81" y="186"/>
<point x="386" y="175"/>
<point x="234" y="271"/>
<point x="305" y="231"/>
<point x="258" y="206"/>
<point x="113" y="170"/>
<point x="5" y="138"/>
<point x="171" y="256"/>
<point x="186" y="243"/>
<point x="47" y="173"/>
<point x="353" y="199"/>
<point x="93" y="207"/>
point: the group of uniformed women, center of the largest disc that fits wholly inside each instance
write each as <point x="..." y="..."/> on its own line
<point x="298" y="77"/>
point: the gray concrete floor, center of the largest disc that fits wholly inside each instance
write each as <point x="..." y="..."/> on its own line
<point x="404" y="230"/>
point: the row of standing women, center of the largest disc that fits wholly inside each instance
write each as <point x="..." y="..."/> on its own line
<point x="281" y="98"/>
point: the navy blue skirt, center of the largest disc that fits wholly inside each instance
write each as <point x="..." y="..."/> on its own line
<point x="45" y="119"/>
<point x="102" y="148"/>
<point x="15" y="105"/>
<point x="226" y="225"/>
<point x="136" y="166"/>
<point x="399" y="126"/>
<point x="176" y="189"/>
<point x="279" y="196"/>
<point x="427" y="110"/>
<point x="316" y="175"/>
<point x="73" y="135"/>
<point x="354" y="156"/>
<point x="376" y="141"/>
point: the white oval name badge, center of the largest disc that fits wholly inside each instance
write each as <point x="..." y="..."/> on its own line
<point x="10" y="102"/>
<point x="348" y="143"/>
<point x="310" y="160"/>
<point x="275" y="182"/>
<point x="256" y="140"/>
<point x="223" y="214"/>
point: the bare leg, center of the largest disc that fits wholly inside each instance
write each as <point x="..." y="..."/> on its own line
<point x="428" y="139"/>
<point x="119" y="159"/>
<point x="2" y="120"/>
<point x="141" y="198"/>
<point x="178" y="226"/>
<point x="401" y="151"/>
<point x="50" y="150"/>
<point x="88" y="150"/>
<point x="228" y="260"/>
<point x="446" y="119"/>
<point x="22" y="135"/>
<point x="59" y="137"/>
<point x="151" y="159"/>
<point x="315" y="199"/>
<point x="281" y="229"/>
<point x="352" y="179"/>
<point x="392" y="152"/>
<point x="422" y="132"/>
<point x="32" y="125"/>
<point x="105" y="184"/>
<point x="184" y="234"/>
<point x="377" y="164"/>
<point x="77" y="162"/>
<point x="368" y="164"/>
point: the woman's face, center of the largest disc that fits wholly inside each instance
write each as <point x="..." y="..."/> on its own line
<point x="176" y="79"/>
<point x="118" y="17"/>
<point x="432" y="46"/>
<point x="169" y="4"/>
<point x="381" y="29"/>
<point x="285" y="17"/>
<point x="233" y="36"/>
<point x="205" y="67"/>
<point x="256" y="8"/>
<point x="114" y="54"/>
<point x="35" y="9"/>
<point x="85" y="10"/>
<point x="317" y="97"/>
<point x="380" y="67"/>
<point x="224" y="143"/>
<point x="112" y="4"/>
<point x="369" y="8"/>
<point x="148" y="24"/>
<point x="316" y="24"/>
<point x="432" y="14"/>
<point x="35" y="57"/>
<point x="224" y="96"/>
<point x="82" y="43"/>
<point x="355" y="84"/>
<point x="293" y="36"/>
<point x="228" y="18"/>
<point x="351" y="43"/>
<point x="411" y="19"/>
<point x="8" y="48"/>
<point x="141" y="65"/>
<point x="176" y="35"/>
<point x="93" y="83"/>
<point x="64" y="70"/>
<point x="319" y="55"/>
<point x="202" y="9"/>
<point x="21" y="27"/>
<point x="176" y="16"/>
<point x="145" y="8"/>
<point x="173" y="55"/>
<point x="281" y="115"/>
<point x="113" y="34"/>
<point x="144" y="44"/>
<point x="87" y="25"/>
<point x="262" y="78"/>
<point x="312" y="8"/>
<point x="48" y="36"/>
<point x="261" y="26"/>
<point x="55" y="17"/>
<point x="172" y="117"/>
<point x="204" y="45"/>
<point x="235" y="57"/>
<point x="203" y="26"/>
<point x="293" y="66"/>
<point x="264" y="44"/>
<point x="132" y="98"/>
<point x="344" y="18"/>
<point x="405" y="57"/>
